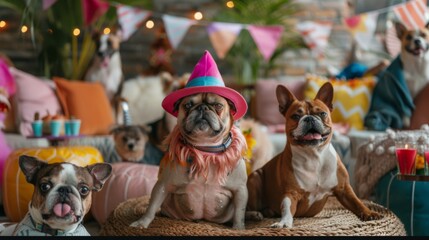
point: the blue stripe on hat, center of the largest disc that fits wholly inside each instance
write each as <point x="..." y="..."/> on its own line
<point x="205" y="81"/>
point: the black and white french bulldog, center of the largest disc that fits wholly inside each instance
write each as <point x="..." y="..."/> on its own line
<point x="61" y="198"/>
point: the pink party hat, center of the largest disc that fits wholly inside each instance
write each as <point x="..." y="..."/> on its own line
<point x="206" y="78"/>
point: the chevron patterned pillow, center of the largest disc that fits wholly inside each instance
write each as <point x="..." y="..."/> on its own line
<point x="352" y="98"/>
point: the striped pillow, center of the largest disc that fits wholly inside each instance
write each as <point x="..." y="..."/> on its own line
<point x="352" y="98"/>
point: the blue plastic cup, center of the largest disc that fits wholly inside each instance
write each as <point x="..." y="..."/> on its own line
<point x="75" y="127"/>
<point x="37" y="128"/>
<point x="55" y="126"/>
<point x="67" y="128"/>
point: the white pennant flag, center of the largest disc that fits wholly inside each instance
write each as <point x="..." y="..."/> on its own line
<point x="362" y="27"/>
<point x="176" y="28"/>
<point x="130" y="18"/>
<point x="315" y="35"/>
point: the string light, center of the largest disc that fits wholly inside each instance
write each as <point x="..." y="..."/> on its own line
<point x="76" y="32"/>
<point x="106" y="30"/>
<point x="2" y="24"/>
<point x="230" y="4"/>
<point x="150" y="24"/>
<point x="24" y="29"/>
<point x="198" y="15"/>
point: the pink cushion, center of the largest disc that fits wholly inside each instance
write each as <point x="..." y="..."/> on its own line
<point x="128" y="180"/>
<point x="33" y="95"/>
<point x="267" y="106"/>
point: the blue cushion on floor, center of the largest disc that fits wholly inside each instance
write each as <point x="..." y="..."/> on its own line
<point x="409" y="200"/>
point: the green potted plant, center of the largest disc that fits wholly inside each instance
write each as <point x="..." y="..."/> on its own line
<point x="60" y="52"/>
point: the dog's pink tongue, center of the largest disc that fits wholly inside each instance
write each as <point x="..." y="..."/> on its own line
<point x="61" y="209"/>
<point x="312" y="136"/>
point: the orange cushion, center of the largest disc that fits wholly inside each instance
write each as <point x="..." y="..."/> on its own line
<point x="128" y="180"/>
<point x="17" y="191"/>
<point x="88" y="102"/>
<point x="420" y="115"/>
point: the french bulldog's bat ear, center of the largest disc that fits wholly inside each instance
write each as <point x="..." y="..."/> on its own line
<point x="285" y="98"/>
<point x="400" y="29"/>
<point x="100" y="172"/>
<point x="326" y="94"/>
<point x="30" y="166"/>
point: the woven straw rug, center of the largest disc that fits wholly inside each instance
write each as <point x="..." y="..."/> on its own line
<point x="333" y="220"/>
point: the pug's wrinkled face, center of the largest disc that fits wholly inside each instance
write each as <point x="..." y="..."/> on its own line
<point x="204" y="119"/>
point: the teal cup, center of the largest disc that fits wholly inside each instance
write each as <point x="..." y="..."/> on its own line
<point x="74" y="127"/>
<point x="37" y="128"/>
<point x="67" y="128"/>
<point x="55" y="126"/>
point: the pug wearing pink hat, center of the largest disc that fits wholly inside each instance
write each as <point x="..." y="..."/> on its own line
<point x="203" y="175"/>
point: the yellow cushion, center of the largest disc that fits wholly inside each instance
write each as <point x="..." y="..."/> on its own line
<point x="17" y="192"/>
<point x="352" y="98"/>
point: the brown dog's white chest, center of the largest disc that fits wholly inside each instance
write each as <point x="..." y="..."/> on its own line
<point x="315" y="171"/>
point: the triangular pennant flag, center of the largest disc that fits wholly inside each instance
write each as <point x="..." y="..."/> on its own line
<point x="223" y="36"/>
<point x="48" y="3"/>
<point x="393" y="44"/>
<point x="176" y="27"/>
<point x="315" y="35"/>
<point x="362" y="27"/>
<point x="130" y="18"/>
<point x="412" y="14"/>
<point x="93" y="9"/>
<point x="266" y="38"/>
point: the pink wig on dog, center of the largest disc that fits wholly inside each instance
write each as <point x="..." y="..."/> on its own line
<point x="225" y="162"/>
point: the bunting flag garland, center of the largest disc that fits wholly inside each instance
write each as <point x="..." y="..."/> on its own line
<point x="393" y="44"/>
<point x="48" y="3"/>
<point x="223" y="36"/>
<point x="176" y="27"/>
<point x="266" y="38"/>
<point x="362" y="28"/>
<point x="130" y="19"/>
<point x="412" y="14"/>
<point x="315" y="35"/>
<point x="93" y="9"/>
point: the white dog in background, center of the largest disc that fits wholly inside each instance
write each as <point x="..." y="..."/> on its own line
<point x="106" y="65"/>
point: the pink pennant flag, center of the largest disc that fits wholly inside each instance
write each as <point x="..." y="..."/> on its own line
<point x="223" y="36"/>
<point x="130" y="19"/>
<point x="176" y="28"/>
<point x="412" y="14"/>
<point x="93" y="9"/>
<point x="266" y="38"/>
<point x="315" y="35"/>
<point x="48" y="3"/>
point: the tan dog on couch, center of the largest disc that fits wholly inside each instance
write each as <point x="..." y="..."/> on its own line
<point x="298" y="181"/>
<point x="203" y="176"/>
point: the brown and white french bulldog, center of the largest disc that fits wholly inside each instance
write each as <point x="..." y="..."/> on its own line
<point x="61" y="198"/>
<point x="298" y="181"/>
<point x="203" y="175"/>
<point x="414" y="56"/>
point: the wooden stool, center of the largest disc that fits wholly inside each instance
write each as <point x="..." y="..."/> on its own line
<point x="334" y="220"/>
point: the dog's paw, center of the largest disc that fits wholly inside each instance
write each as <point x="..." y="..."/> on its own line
<point x="141" y="223"/>
<point x="254" y="216"/>
<point x="369" y="216"/>
<point x="238" y="226"/>
<point x="282" y="224"/>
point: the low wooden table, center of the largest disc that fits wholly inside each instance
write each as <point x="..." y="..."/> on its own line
<point x="55" y="140"/>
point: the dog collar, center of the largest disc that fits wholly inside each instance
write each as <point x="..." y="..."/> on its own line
<point x="216" y="149"/>
<point x="44" y="228"/>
